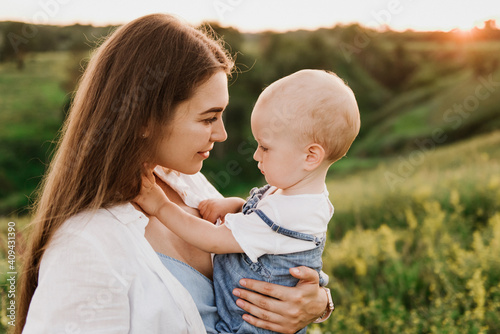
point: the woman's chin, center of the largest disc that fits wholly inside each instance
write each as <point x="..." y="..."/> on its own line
<point x="190" y="170"/>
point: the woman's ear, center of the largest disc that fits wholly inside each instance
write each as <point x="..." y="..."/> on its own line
<point x="315" y="154"/>
<point x="145" y="132"/>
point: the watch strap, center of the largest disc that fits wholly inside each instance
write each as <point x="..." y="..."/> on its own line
<point x="329" y="307"/>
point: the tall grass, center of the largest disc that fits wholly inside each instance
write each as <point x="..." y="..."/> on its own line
<point x="421" y="256"/>
<point x="414" y="242"/>
<point x="31" y="112"/>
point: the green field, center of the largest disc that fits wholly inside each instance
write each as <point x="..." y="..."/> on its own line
<point x="421" y="256"/>
<point x="417" y="257"/>
<point x="414" y="243"/>
<point x="31" y="107"/>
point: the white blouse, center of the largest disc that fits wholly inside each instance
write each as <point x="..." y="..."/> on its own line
<point x="100" y="275"/>
<point x="191" y="188"/>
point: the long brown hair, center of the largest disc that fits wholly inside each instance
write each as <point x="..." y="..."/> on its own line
<point x="133" y="82"/>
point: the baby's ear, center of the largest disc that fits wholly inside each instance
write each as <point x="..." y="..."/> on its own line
<point x="315" y="154"/>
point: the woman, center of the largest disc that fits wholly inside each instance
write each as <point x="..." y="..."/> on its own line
<point x="89" y="267"/>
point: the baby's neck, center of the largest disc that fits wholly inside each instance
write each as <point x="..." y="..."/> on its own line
<point x="312" y="183"/>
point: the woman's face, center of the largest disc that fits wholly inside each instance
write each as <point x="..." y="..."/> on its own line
<point x="196" y="126"/>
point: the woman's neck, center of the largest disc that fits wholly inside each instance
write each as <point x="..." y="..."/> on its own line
<point x="166" y="242"/>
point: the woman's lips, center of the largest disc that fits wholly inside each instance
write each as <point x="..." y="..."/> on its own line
<point x="204" y="154"/>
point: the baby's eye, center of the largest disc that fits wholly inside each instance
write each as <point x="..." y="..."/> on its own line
<point x="264" y="149"/>
<point x="210" y="120"/>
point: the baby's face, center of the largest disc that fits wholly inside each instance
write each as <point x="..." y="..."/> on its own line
<point x="279" y="154"/>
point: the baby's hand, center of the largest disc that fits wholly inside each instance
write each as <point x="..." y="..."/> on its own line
<point x="214" y="208"/>
<point x="151" y="198"/>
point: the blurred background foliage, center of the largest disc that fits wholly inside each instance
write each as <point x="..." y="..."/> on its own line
<point x="414" y="242"/>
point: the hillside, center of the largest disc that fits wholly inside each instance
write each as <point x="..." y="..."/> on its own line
<point x="408" y="86"/>
<point x="416" y="256"/>
<point x="413" y="245"/>
<point x="458" y="106"/>
<point x="419" y="255"/>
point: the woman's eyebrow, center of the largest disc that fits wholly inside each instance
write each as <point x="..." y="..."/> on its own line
<point x="211" y="110"/>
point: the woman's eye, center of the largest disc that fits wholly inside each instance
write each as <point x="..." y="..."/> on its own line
<point x="210" y="120"/>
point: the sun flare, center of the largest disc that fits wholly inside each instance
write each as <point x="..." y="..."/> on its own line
<point x="259" y="15"/>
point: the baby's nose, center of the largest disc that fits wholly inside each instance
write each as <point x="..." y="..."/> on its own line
<point x="256" y="155"/>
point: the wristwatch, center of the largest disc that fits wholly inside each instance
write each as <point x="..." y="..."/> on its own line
<point x="329" y="307"/>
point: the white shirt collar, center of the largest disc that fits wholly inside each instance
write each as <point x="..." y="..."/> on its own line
<point x="128" y="214"/>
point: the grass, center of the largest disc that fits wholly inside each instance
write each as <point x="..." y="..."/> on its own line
<point x="33" y="96"/>
<point x="413" y="245"/>
<point x="418" y="112"/>
<point x="31" y="114"/>
<point x="420" y="255"/>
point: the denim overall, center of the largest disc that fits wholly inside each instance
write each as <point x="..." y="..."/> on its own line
<point x="230" y="268"/>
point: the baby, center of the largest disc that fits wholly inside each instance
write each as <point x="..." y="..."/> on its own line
<point x="303" y="123"/>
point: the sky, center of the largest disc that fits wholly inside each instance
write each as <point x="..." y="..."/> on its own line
<point x="260" y="15"/>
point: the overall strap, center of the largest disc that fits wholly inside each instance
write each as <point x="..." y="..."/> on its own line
<point x="289" y="233"/>
<point x="254" y="198"/>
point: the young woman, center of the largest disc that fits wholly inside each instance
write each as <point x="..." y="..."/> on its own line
<point x="154" y="92"/>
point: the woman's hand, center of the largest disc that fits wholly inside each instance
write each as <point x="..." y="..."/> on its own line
<point x="283" y="309"/>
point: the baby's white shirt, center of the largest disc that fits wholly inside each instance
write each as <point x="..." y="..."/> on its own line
<point x="305" y="213"/>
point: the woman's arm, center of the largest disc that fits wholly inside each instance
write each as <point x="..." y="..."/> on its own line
<point x="283" y="309"/>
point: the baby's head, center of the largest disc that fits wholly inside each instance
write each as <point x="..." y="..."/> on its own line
<point x="309" y="107"/>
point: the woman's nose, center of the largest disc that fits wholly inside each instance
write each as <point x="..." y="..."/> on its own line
<point x="219" y="133"/>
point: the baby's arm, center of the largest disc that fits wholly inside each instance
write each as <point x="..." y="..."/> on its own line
<point x="214" y="208"/>
<point x="196" y="231"/>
